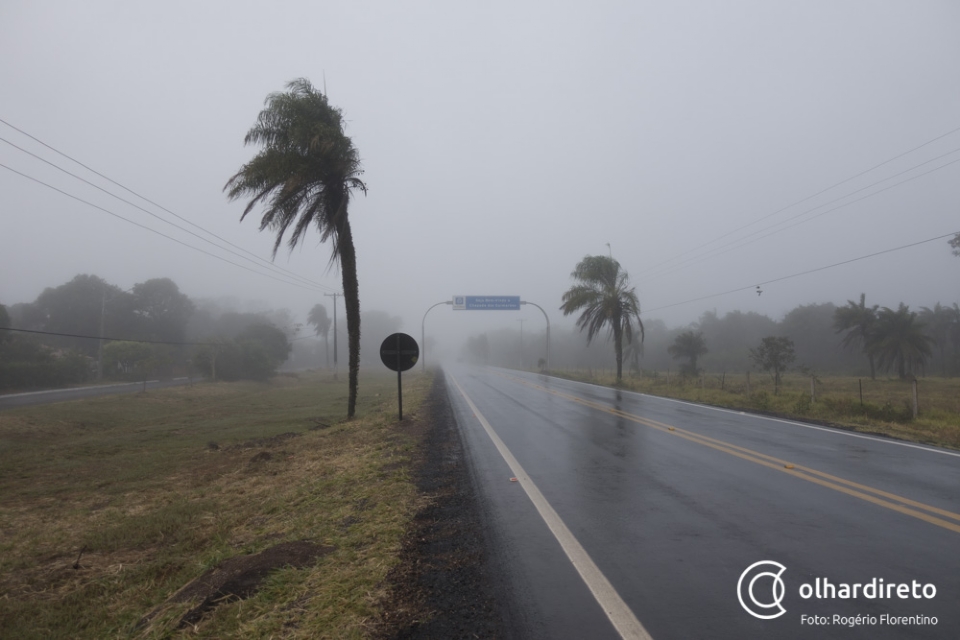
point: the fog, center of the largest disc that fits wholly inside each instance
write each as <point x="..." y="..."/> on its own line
<point x="501" y="144"/>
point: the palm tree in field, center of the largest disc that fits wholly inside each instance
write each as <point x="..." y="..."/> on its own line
<point x="304" y="175"/>
<point x="689" y="345"/>
<point x="321" y="325"/>
<point x="605" y="298"/>
<point x="898" y="341"/>
<point x="857" y="320"/>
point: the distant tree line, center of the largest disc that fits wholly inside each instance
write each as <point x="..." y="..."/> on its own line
<point x="854" y="339"/>
<point x="155" y="323"/>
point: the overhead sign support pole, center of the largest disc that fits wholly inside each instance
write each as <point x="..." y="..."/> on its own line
<point x="423" y="338"/>
<point x="546" y="356"/>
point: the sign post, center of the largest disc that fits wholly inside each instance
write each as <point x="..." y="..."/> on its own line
<point x="399" y="352"/>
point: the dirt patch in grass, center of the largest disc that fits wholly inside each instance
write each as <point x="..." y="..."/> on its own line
<point x="238" y="578"/>
<point x="443" y="586"/>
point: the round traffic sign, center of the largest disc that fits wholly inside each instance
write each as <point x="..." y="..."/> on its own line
<point x="399" y="352"/>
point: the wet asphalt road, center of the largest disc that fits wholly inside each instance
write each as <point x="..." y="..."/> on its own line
<point x="63" y="395"/>
<point x="671" y="518"/>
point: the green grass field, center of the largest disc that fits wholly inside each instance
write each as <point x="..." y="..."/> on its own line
<point x="887" y="406"/>
<point x="157" y="488"/>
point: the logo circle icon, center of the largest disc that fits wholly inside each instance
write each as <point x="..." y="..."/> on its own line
<point x="759" y="608"/>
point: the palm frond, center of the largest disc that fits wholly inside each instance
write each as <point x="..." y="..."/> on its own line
<point x="305" y="171"/>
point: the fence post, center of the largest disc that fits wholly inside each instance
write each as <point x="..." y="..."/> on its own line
<point x="748" y="382"/>
<point x="813" y="389"/>
<point x="860" y="382"/>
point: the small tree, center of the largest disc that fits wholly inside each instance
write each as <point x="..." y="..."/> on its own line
<point x="132" y="360"/>
<point x="688" y="345"/>
<point x="774" y="354"/>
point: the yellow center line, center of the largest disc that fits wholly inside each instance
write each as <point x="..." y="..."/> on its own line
<point x="881" y="498"/>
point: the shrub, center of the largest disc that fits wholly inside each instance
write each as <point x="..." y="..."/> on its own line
<point x="803" y="404"/>
<point x="761" y="400"/>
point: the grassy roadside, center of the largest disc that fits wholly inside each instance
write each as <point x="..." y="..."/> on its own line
<point x="157" y="488"/>
<point x="886" y="408"/>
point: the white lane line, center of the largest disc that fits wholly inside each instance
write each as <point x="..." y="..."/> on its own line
<point x="838" y="432"/>
<point x="607" y="597"/>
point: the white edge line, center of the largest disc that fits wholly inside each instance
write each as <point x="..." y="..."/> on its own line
<point x="839" y="432"/>
<point x="620" y="615"/>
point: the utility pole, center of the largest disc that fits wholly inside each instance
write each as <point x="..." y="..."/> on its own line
<point x="103" y="304"/>
<point x="334" y="296"/>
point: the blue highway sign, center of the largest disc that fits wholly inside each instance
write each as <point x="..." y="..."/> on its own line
<point x="486" y="303"/>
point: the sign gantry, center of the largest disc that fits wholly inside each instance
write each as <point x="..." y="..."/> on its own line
<point x="483" y="303"/>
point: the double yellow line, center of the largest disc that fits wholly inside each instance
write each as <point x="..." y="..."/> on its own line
<point x="927" y="513"/>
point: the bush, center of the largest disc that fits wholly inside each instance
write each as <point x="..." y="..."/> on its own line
<point x="887" y="412"/>
<point x="25" y="364"/>
<point x="761" y="400"/>
<point x="251" y="356"/>
<point x="803" y="404"/>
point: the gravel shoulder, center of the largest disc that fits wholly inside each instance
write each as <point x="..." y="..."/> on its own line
<point x="447" y="584"/>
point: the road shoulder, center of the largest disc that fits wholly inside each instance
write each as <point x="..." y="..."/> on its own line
<point x="444" y="585"/>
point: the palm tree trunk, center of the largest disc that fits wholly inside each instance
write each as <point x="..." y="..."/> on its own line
<point x="873" y="374"/>
<point x="351" y="301"/>
<point x="618" y="347"/>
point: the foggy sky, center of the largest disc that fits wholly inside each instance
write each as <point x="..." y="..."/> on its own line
<point x="502" y="143"/>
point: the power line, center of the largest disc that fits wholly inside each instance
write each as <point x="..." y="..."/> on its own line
<point x="802" y="273"/>
<point x="266" y="262"/>
<point x="744" y="241"/>
<point x="810" y="197"/>
<point x="150" y="213"/>
<point x="159" y="233"/>
<point x="74" y="335"/>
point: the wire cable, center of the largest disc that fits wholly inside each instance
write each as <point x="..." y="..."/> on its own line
<point x="159" y="233"/>
<point x="801" y="201"/>
<point x="744" y="241"/>
<point x="272" y="266"/>
<point x="802" y="273"/>
<point x="145" y="199"/>
<point x="75" y="335"/>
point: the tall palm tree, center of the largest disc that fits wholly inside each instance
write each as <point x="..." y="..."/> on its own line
<point x="938" y="323"/>
<point x="304" y="175"/>
<point x="606" y="299"/>
<point x="321" y="325"/>
<point x="898" y="341"/>
<point x="857" y="320"/>
<point x="690" y="345"/>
